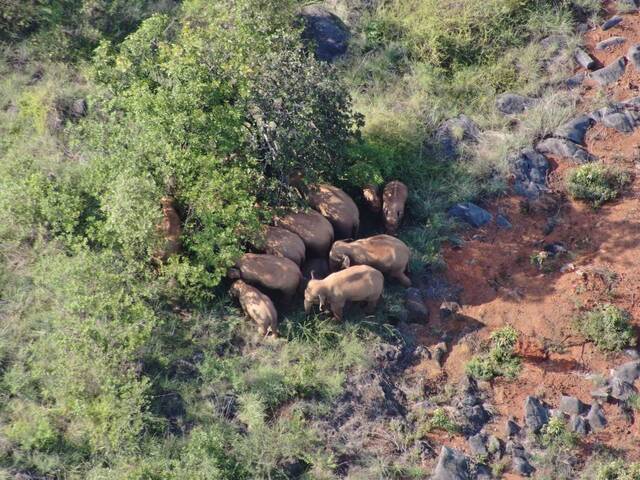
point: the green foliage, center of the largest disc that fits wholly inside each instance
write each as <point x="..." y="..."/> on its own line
<point x="616" y="470"/>
<point x="440" y="420"/>
<point x="608" y="327"/>
<point x="500" y="360"/>
<point x="596" y="183"/>
<point x="556" y="434"/>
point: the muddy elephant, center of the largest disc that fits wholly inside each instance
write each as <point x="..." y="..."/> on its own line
<point x="257" y="306"/>
<point x="315" y="231"/>
<point x="268" y="271"/>
<point x="170" y="228"/>
<point x="394" y="198"/>
<point x="283" y="243"/>
<point x="372" y="199"/>
<point x="337" y="207"/>
<point x="360" y="283"/>
<point x="382" y="252"/>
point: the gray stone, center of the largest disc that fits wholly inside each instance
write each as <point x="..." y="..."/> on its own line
<point x="494" y="446"/>
<point x="78" y="108"/>
<point x="612" y="22"/>
<point x="329" y="34"/>
<point x="572" y="406"/>
<point x="511" y="103"/>
<point x="503" y="222"/>
<point x="530" y="168"/>
<point x="452" y="465"/>
<point x="416" y="308"/>
<point x="634" y="56"/>
<point x="454" y="132"/>
<point x="522" y="467"/>
<point x="621" y="116"/>
<point x="576" y="129"/>
<point x="584" y="59"/>
<point x="536" y="413"/>
<point x="515" y="449"/>
<point x="610" y="43"/>
<point x="482" y="472"/>
<point x="601" y="393"/>
<point x="439" y="352"/>
<point x="611" y="73"/>
<point x="575" y="81"/>
<point x="579" y="425"/>
<point x="564" y="148"/>
<point x="621" y="390"/>
<point x="596" y="418"/>
<point x="449" y="309"/>
<point x="632" y="353"/>
<point x="512" y="428"/>
<point x="627" y="372"/>
<point x="470" y="213"/>
<point x="477" y="444"/>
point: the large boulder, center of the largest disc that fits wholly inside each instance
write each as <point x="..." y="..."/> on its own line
<point x="612" y="22"/>
<point x="452" y="133"/>
<point x="610" y="42"/>
<point x="530" y="168"/>
<point x="452" y="465"/>
<point x="329" y="34"/>
<point x="596" y="418"/>
<point x="628" y="372"/>
<point x="470" y="213"/>
<point x="560" y="147"/>
<point x="575" y="130"/>
<point x="536" y="414"/>
<point x="611" y="73"/>
<point x="634" y="56"/>
<point x="571" y="405"/>
<point x="511" y="103"/>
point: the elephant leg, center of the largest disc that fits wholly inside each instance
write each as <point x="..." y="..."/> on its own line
<point x="337" y="310"/>
<point x="403" y="279"/>
<point x="288" y="296"/>
<point x="371" y="305"/>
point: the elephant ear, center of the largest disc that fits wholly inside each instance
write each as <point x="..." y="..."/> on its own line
<point x="346" y="261"/>
<point x="321" y="301"/>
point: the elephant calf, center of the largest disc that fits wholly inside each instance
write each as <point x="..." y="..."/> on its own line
<point x="257" y="306"/>
<point x="355" y="284"/>
<point x="372" y="198"/>
<point x="283" y="243"/>
<point x="270" y="272"/>
<point x="382" y="252"/>
<point x="315" y="231"/>
<point x="394" y="198"/>
<point x="337" y="207"/>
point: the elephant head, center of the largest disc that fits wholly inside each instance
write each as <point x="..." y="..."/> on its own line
<point x="314" y="294"/>
<point x="339" y="256"/>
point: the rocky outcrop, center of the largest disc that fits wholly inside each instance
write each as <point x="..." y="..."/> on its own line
<point x="470" y="213"/>
<point x="452" y="465"/>
<point x="511" y="103"/>
<point x="454" y="132"/>
<point x="530" y="168"/>
<point x="326" y="31"/>
<point x="536" y="414"/>
<point x="611" y="73"/>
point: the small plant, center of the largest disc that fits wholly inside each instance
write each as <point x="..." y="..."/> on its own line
<point x="501" y="360"/>
<point x="634" y="402"/>
<point x="538" y="259"/>
<point x="556" y="434"/>
<point x="596" y="183"/>
<point x="440" y="420"/>
<point x="608" y="327"/>
<point x="616" y="469"/>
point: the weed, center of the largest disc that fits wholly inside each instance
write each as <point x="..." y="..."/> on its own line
<point x="608" y="327"/>
<point x="500" y="360"/>
<point x="596" y="183"/>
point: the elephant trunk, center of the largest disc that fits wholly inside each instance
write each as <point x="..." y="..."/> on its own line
<point x="307" y="306"/>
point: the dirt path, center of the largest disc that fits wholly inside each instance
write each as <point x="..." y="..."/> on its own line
<point x="501" y="285"/>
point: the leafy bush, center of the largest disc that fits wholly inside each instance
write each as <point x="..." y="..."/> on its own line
<point x="500" y="360"/>
<point x="596" y="183"/>
<point x="608" y="327"/>
<point x="615" y="470"/>
<point x="556" y="434"/>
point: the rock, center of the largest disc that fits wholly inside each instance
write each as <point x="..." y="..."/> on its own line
<point x="482" y="472"/>
<point x="515" y="449"/>
<point x="503" y="222"/>
<point x="452" y="465"/>
<point x="422" y="353"/>
<point x="626" y="6"/>
<point x="579" y="425"/>
<point x="621" y="390"/>
<point x="530" y="168"/>
<point x="576" y="129"/>
<point x="536" y="414"/>
<point x="601" y="393"/>
<point x="575" y="81"/>
<point x="439" y="352"/>
<point x="627" y="372"/>
<point x="632" y="353"/>
<point x="475" y="417"/>
<point x="416" y="308"/>
<point x="618" y="116"/>
<point x="449" y="309"/>
<point x="555" y="249"/>
<point x="470" y="213"/>
<point x="477" y="444"/>
<point x="611" y="72"/>
<point x="512" y="428"/>
<point x="584" y="59"/>
<point x="612" y="22"/>
<point x="571" y="405"/>
<point x="522" y="467"/>
<point x="596" y="418"/>
<point x="326" y="30"/>
<point x="454" y="132"/>
<point x="633" y="55"/>
<point x="494" y="446"/>
<point x="564" y="148"/>
<point x="78" y="108"/>
<point x="511" y="103"/>
<point x="610" y="43"/>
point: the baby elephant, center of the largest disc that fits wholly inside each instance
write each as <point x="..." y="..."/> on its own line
<point x="257" y="306"/>
<point x="394" y="197"/>
<point x="337" y="207"/>
<point x="270" y="272"/>
<point x="355" y="284"/>
<point x="382" y="252"/>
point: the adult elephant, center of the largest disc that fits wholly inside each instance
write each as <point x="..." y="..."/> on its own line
<point x="337" y="207"/>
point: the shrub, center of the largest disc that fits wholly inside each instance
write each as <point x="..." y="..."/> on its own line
<point x="500" y="360"/>
<point x="615" y="470"/>
<point x="596" y="183"/>
<point x="556" y="434"/>
<point x="608" y="327"/>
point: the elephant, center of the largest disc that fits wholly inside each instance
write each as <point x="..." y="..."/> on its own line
<point x="382" y="252"/>
<point x="394" y="198"/>
<point x="283" y="243"/>
<point x="360" y="283"/>
<point x="315" y="267"/>
<point x="170" y="229"/>
<point x="337" y="207"/>
<point x="257" y="306"/>
<point x="268" y="271"/>
<point x="372" y="199"/>
<point x="315" y="231"/>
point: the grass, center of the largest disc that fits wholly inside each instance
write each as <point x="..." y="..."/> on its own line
<point x="500" y="360"/>
<point x="608" y="327"/>
<point x="596" y="184"/>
